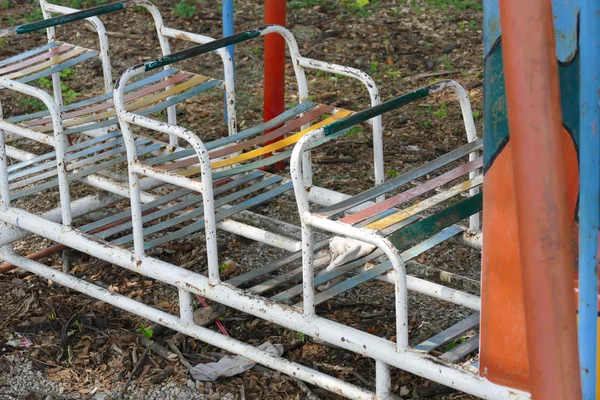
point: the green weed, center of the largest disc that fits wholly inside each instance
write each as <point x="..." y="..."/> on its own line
<point x="145" y="330"/>
<point x="456" y="4"/>
<point x="453" y="344"/>
<point x="446" y="62"/>
<point x="184" y="10"/>
<point x="441" y="112"/>
<point x="300" y="4"/>
<point x="392" y="173"/>
<point x="354" y="131"/>
<point x="374" y="65"/>
<point x="30" y="103"/>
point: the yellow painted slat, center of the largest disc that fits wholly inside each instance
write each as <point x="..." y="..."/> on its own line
<point x="280" y="144"/>
<point x="47" y="64"/>
<point x="401" y="215"/>
<point x="194" y="81"/>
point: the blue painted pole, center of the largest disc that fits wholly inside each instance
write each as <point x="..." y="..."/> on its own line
<point x="589" y="208"/>
<point x="228" y="30"/>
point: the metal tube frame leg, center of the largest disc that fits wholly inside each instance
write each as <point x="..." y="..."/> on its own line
<point x="383" y="380"/>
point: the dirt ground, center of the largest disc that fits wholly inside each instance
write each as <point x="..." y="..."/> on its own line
<point x="402" y="44"/>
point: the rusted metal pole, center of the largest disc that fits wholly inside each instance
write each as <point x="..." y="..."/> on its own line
<point x="535" y="120"/>
<point x="274" y="81"/>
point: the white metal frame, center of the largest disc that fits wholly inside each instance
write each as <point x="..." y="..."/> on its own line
<point x="386" y="353"/>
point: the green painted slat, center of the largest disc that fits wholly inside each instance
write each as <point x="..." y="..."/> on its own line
<point x="429" y="226"/>
<point x="375" y="111"/>
<point x="202" y="49"/>
<point x="63" y="19"/>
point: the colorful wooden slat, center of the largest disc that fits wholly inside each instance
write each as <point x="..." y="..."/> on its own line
<point x="57" y="68"/>
<point x="246" y="144"/>
<point x="156" y="108"/>
<point x="102" y="147"/>
<point x="152" y="214"/>
<point x="139" y="103"/>
<point x="413" y="192"/>
<point x="426" y="204"/>
<point x="253" y="131"/>
<point x="29" y="53"/>
<point x="55" y="51"/>
<point x="434" y="223"/>
<point x="448" y="334"/>
<point x="109" y="103"/>
<point x="402" y="179"/>
<point x="50" y="155"/>
<point x="80" y="174"/>
<point x="196" y="226"/>
<point x="74" y="52"/>
<point x="267" y="149"/>
<point x="96" y="99"/>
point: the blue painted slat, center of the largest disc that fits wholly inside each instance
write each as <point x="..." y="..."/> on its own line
<point x="68" y="157"/>
<point x="448" y="334"/>
<point x="222" y="215"/>
<point x="273" y="266"/>
<point x="589" y="198"/>
<point x="52" y="154"/>
<point x="127" y="213"/>
<point x="406" y="255"/>
<point x="380" y="269"/>
<point x="161" y="106"/>
<point x="183" y="204"/>
<point x="282" y="118"/>
<point x="84" y="173"/>
<point x="199" y="212"/>
<point x="58" y="68"/>
<point x="97" y="99"/>
<point x="29" y="53"/>
<point x="73" y="165"/>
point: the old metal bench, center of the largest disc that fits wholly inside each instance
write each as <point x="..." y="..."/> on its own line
<point x="209" y="183"/>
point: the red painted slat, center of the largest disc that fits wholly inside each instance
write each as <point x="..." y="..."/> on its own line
<point x="108" y="104"/>
<point x="279" y="132"/>
<point x="34" y="60"/>
<point x="413" y="192"/>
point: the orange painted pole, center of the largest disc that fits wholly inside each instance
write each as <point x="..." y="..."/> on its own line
<point x="535" y="121"/>
<point x="274" y="56"/>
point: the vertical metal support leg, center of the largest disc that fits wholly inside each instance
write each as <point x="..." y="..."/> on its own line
<point x="4" y="191"/>
<point x="383" y="381"/>
<point x="589" y="211"/>
<point x="308" y="273"/>
<point x="66" y="260"/>
<point x="186" y="306"/>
